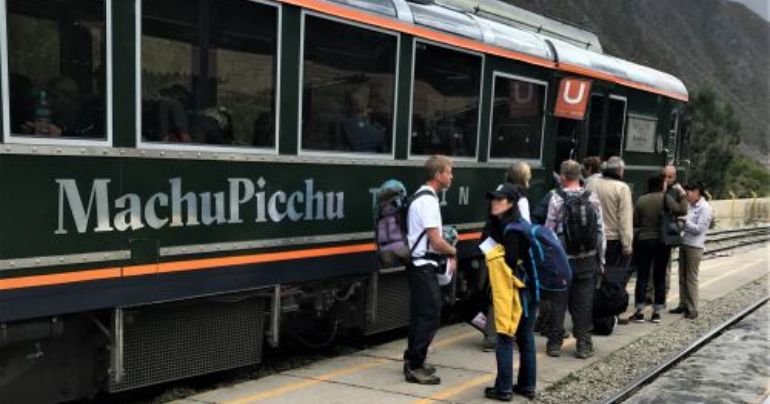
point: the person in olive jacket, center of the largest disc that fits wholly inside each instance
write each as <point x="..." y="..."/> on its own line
<point x="650" y="250"/>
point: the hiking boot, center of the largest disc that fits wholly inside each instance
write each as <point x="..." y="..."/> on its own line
<point x="491" y="392"/>
<point x="584" y="350"/>
<point x="637" y="317"/>
<point x="678" y="310"/>
<point x="530" y="394"/>
<point x="584" y="353"/>
<point x="420" y="376"/>
<point x="655" y="318"/>
<point x="429" y="369"/>
<point x="553" y="349"/>
<point x="692" y="315"/>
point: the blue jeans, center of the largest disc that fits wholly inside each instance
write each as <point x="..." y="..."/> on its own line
<point x="525" y="339"/>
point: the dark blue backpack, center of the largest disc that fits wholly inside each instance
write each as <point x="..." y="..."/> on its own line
<point x="550" y="265"/>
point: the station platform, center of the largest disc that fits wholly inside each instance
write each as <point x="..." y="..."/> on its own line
<point x="374" y="375"/>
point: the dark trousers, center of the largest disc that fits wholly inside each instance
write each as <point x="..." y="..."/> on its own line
<point x="579" y="298"/>
<point x="615" y="263"/>
<point x="424" y="313"/>
<point x="525" y="339"/>
<point x="651" y="255"/>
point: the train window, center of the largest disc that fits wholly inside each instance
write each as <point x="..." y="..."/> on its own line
<point x="517" y="118"/>
<point x="445" y="103"/>
<point x="208" y="72"/>
<point x="56" y="54"/>
<point x="348" y="87"/>
<point x="616" y="123"/>
<point x="595" y="123"/>
<point x="673" y="136"/>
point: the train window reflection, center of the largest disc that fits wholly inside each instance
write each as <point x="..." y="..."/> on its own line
<point x="517" y="119"/>
<point x="445" y="104"/>
<point x="209" y="72"/>
<point x="56" y="68"/>
<point x="348" y="88"/>
<point x="616" y="121"/>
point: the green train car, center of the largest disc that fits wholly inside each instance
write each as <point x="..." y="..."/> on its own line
<point x="184" y="181"/>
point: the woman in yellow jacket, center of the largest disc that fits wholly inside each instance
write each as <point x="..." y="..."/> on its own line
<point x="513" y="296"/>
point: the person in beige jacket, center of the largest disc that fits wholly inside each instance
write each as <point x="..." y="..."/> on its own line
<point x="617" y="212"/>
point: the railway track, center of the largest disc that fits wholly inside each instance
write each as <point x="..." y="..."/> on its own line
<point x="648" y="377"/>
<point x="724" y="240"/>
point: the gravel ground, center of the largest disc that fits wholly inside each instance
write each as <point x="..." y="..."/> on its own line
<point x="600" y="379"/>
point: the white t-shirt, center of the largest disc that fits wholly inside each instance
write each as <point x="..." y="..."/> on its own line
<point x="523" y="205"/>
<point x="424" y="213"/>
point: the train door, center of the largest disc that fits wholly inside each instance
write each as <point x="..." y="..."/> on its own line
<point x="597" y="125"/>
<point x="606" y="127"/>
<point x="568" y="138"/>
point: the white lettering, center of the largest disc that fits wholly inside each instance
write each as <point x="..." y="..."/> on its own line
<point x="335" y="211"/>
<point x="189" y="199"/>
<point x="574" y="100"/>
<point x="272" y="206"/>
<point x="237" y="198"/>
<point x="99" y="195"/>
<point x="313" y="200"/>
<point x="218" y="215"/>
<point x="291" y="208"/>
<point x="464" y="195"/>
<point x="177" y="208"/>
<point x="130" y="218"/>
<point x="149" y="210"/>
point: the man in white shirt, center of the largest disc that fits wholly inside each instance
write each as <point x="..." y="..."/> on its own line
<point x="428" y="251"/>
<point x="696" y="224"/>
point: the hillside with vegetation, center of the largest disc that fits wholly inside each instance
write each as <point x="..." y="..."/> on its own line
<point x="720" y="49"/>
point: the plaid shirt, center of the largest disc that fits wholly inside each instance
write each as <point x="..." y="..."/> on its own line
<point x="556" y="213"/>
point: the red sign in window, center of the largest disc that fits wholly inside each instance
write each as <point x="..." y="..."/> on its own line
<point x="573" y="98"/>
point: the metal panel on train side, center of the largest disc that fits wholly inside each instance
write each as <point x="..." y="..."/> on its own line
<point x="68" y="205"/>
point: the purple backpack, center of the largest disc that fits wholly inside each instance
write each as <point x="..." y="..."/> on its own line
<point x="390" y="223"/>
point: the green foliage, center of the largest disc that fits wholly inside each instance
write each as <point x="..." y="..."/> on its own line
<point x="713" y="137"/>
<point x="745" y="175"/>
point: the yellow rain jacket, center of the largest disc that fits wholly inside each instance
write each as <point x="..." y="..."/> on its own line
<point x="505" y="292"/>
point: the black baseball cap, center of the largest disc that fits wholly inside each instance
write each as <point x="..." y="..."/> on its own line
<point x="504" y="191"/>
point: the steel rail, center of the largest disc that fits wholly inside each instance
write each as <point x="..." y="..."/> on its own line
<point x="630" y="389"/>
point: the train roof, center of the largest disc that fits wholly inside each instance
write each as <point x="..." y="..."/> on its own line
<point x="529" y="37"/>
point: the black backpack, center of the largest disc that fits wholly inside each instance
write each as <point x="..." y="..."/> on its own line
<point x="579" y="223"/>
<point x="610" y="298"/>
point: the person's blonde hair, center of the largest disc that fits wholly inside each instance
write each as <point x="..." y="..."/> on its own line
<point x="436" y="164"/>
<point x="519" y="173"/>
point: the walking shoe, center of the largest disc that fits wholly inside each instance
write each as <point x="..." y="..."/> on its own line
<point x="585" y="349"/>
<point x="491" y="392"/>
<point x="420" y="376"/>
<point x="429" y="369"/>
<point x="553" y="350"/>
<point x="692" y="315"/>
<point x="637" y="317"/>
<point x="530" y="394"/>
<point x="584" y="353"/>
<point x="678" y="310"/>
<point x="489" y="346"/>
<point x="655" y="318"/>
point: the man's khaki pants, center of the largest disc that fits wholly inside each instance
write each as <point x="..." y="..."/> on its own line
<point x="689" y="264"/>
